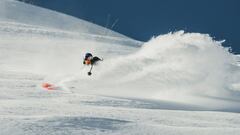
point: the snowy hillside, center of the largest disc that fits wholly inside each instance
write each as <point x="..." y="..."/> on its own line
<point x="178" y="83"/>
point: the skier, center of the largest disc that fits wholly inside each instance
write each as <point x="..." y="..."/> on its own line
<point x="90" y="60"/>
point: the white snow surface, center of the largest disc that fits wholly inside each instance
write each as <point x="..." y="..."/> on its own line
<point x="178" y="83"/>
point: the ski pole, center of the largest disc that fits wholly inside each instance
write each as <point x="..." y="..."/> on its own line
<point x="90" y="72"/>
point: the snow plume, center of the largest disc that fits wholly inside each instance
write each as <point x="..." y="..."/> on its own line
<point x="171" y="67"/>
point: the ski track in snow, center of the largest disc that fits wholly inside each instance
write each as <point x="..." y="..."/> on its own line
<point x="120" y="98"/>
<point x="27" y="109"/>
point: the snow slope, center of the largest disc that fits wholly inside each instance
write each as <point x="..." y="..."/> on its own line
<point x="178" y="83"/>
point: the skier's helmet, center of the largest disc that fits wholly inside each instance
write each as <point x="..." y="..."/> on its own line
<point x="87" y="55"/>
